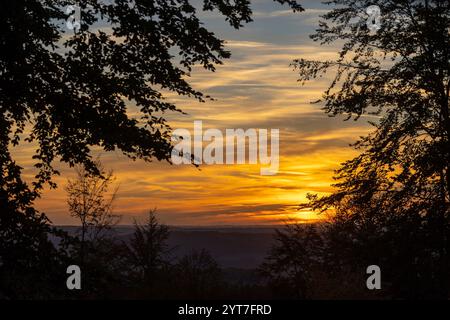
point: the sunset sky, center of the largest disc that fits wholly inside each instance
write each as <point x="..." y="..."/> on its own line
<point x="256" y="88"/>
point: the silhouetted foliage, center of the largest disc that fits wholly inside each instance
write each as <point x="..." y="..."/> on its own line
<point x="199" y="276"/>
<point x="72" y="86"/>
<point x="89" y="202"/>
<point x="294" y="261"/>
<point x="148" y="249"/>
<point x="73" y="89"/>
<point x="95" y="250"/>
<point x="392" y="202"/>
<point x="30" y="266"/>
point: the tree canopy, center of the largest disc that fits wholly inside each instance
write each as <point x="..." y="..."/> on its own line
<point x="394" y="197"/>
<point x="68" y="91"/>
<point x="75" y="86"/>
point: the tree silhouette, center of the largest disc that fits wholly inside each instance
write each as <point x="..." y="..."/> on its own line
<point x="69" y="91"/>
<point x="199" y="275"/>
<point x="88" y="202"/>
<point x="148" y="249"/>
<point x="393" y="200"/>
<point x="72" y="86"/>
<point x="30" y="265"/>
<point x="293" y="261"/>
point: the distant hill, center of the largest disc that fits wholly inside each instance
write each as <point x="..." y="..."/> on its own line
<point x="232" y="247"/>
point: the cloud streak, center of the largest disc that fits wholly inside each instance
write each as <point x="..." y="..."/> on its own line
<point x="256" y="88"/>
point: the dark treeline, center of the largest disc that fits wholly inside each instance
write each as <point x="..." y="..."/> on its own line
<point x="391" y="205"/>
